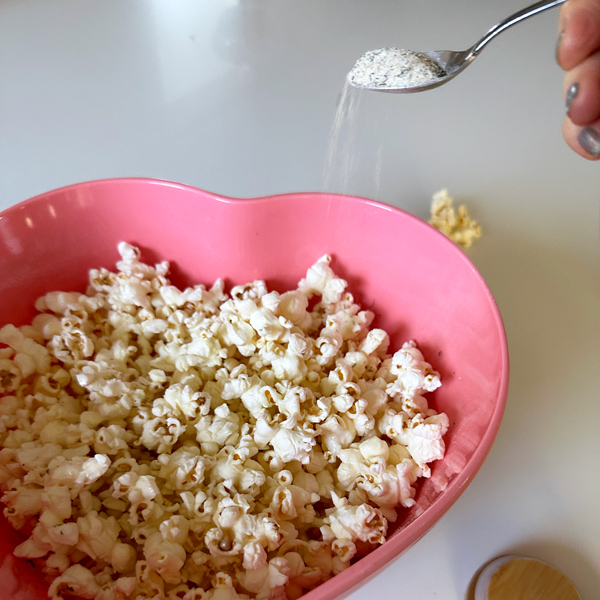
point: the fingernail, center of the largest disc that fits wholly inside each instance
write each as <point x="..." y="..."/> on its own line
<point x="589" y="139"/>
<point x="561" y="35"/>
<point x="571" y="95"/>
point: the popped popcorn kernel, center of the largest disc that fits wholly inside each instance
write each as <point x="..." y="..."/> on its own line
<point x="455" y="223"/>
<point x="198" y="445"/>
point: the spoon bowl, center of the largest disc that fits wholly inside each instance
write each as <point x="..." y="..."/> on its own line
<point x="450" y="62"/>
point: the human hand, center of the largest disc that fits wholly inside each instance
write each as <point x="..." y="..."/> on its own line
<point x="578" y="53"/>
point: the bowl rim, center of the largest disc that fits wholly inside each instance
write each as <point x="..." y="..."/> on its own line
<point x="368" y="566"/>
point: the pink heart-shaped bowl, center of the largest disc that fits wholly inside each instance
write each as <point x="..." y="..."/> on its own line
<point x="419" y="284"/>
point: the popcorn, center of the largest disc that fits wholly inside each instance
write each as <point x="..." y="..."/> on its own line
<point x="193" y="445"/>
<point x="97" y="535"/>
<point x="453" y="223"/>
<point x="165" y="557"/>
<point x="353" y="523"/>
<point x="92" y="469"/>
<point x="321" y="280"/>
<point x="424" y="438"/>
<point x="76" y="581"/>
<point x="293" y="445"/>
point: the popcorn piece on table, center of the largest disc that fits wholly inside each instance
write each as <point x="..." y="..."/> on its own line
<point x="453" y="223"/>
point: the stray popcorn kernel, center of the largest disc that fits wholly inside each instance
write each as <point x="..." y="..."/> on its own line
<point x="193" y="444"/>
<point x="453" y="223"/>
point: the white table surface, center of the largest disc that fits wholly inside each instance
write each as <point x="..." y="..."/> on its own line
<point x="238" y="97"/>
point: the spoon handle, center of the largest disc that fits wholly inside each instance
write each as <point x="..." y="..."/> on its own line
<point x="518" y="16"/>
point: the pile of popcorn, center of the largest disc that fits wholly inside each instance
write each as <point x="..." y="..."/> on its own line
<point x="198" y="445"/>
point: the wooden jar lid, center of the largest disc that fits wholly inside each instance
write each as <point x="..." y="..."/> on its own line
<point x="520" y="578"/>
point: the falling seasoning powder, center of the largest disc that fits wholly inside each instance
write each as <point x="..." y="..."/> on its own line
<point x="394" y="68"/>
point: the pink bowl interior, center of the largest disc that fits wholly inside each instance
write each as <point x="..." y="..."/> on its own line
<point x="418" y="283"/>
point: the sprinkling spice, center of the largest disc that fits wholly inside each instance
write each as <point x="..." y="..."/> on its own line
<point x="394" y="68"/>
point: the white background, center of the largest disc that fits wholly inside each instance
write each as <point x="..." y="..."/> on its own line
<point x="239" y="98"/>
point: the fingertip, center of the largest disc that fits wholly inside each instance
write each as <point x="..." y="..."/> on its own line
<point x="585" y="141"/>
<point x="589" y="140"/>
<point x="581" y="89"/>
<point x="579" y="32"/>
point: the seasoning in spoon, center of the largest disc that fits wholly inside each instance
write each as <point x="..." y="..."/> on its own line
<point x="394" y="68"/>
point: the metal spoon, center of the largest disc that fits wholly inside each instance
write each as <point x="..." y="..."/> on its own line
<point x="451" y="62"/>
